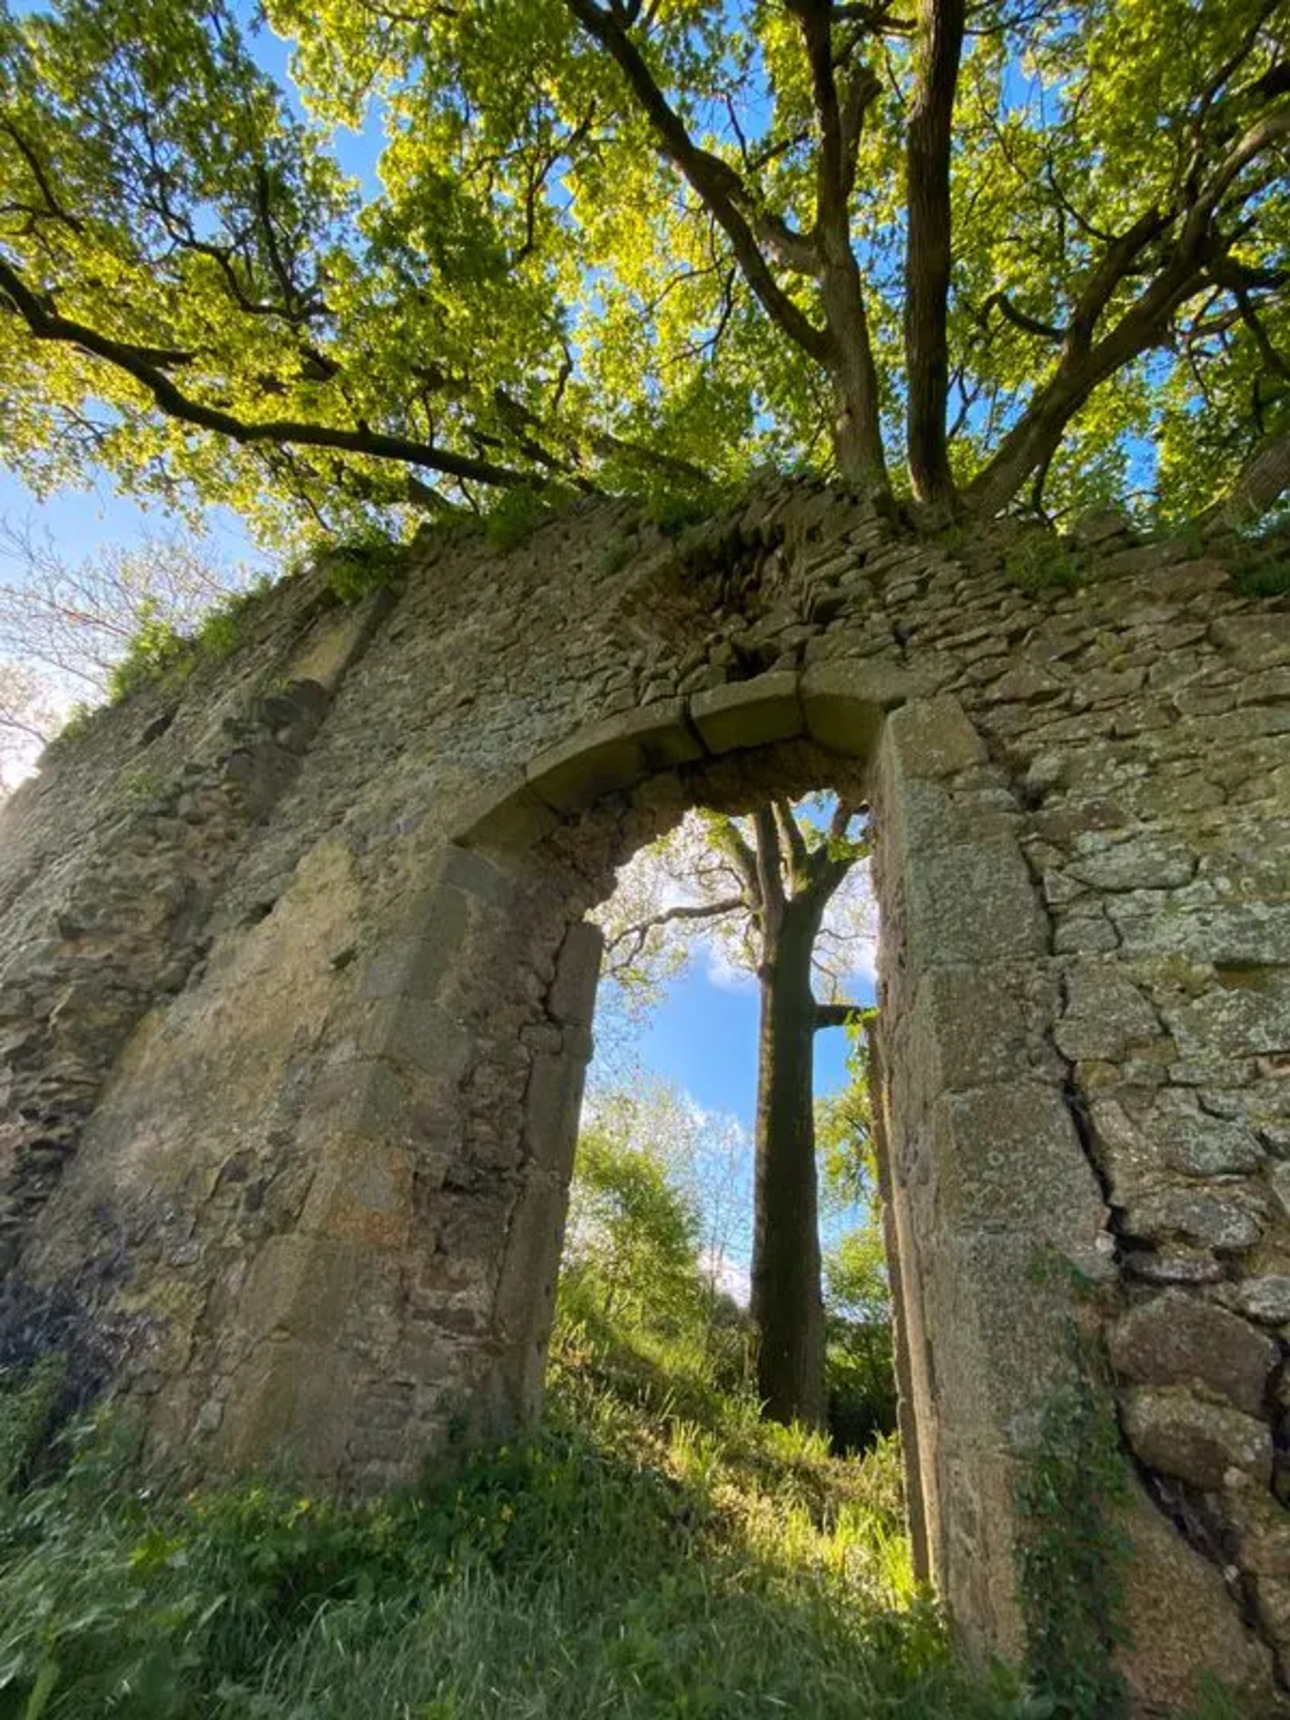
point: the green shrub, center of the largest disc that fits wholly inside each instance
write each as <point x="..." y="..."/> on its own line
<point x="1071" y="1557"/>
<point x="513" y="518"/>
<point x="1041" y="562"/>
<point x="363" y="565"/>
<point x="155" y="651"/>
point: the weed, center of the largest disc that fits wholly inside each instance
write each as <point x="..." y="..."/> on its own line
<point x="1039" y="562"/>
<point x="156" y="651"/>
<point x="1072" y="1553"/>
<point x="363" y="565"/>
<point x="619" y="551"/>
<point x="623" y="1560"/>
<point x="1262" y="574"/>
<point x="514" y="517"/>
<point x="142" y="785"/>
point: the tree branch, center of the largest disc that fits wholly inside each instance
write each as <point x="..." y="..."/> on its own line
<point x="838" y="1014"/>
<point x="141" y="364"/>
<point x="1018" y="318"/>
<point x="857" y="434"/>
<point x="714" y="181"/>
<point x="1085" y="363"/>
<point x="667" y="916"/>
<point x="928" y="247"/>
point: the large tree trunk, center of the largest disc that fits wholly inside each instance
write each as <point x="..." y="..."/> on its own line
<point x="787" y="1306"/>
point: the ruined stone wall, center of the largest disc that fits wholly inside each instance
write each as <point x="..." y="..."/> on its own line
<point x="297" y="998"/>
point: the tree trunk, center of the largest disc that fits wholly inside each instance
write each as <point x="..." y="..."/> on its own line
<point x="787" y="1306"/>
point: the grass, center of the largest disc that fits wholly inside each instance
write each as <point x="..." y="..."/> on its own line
<point x="640" y="1556"/>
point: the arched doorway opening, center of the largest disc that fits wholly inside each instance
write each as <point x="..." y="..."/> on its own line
<point x="985" y="1176"/>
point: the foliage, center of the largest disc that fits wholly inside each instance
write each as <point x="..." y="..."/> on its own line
<point x="1261" y="565"/>
<point x="1071" y="1556"/>
<point x="1041" y="562"/>
<point x="632" y="1237"/>
<point x="655" y="249"/>
<point x="625" y="1559"/>
<point x="154" y="651"/>
<point x="651" y="1228"/>
<point x="159" y="652"/>
<point x="513" y="518"/>
<point x="362" y="565"/>
<point x="691" y="881"/>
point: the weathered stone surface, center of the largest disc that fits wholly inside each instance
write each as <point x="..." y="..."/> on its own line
<point x="1105" y="1014"/>
<point x="1181" y="1625"/>
<point x="295" y="997"/>
<point x="1264" y="1299"/>
<point x="972" y="903"/>
<point x="1237" y="1021"/>
<point x="934" y="738"/>
<point x="748" y="713"/>
<point x="1195" y="1215"/>
<point x="612" y="755"/>
<point x="987" y="1136"/>
<point x="1177" y="1339"/>
<point x="1182" y="1435"/>
<point x="1147" y="862"/>
<point x="843" y="703"/>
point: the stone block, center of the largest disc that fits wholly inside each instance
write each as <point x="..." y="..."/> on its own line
<point x="1254" y="641"/>
<point x="361" y="1195"/>
<point x="1173" y="1431"/>
<point x="414" y="962"/>
<point x="1237" y="1021"/>
<point x="413" y="1031"/>
<point x="1143" y="862"/>
<point x="844" y="702"/>
<point x="1008" y="1158"/>
<point x="748" y="713"/>
<point x="507" y="816"/>
<point x="1181" y="1624"/>
<point x="933" y="738"/>
<point x="1000" y="1313"/>
<point x="1104" y="1013"/>
<point x="613" y="755"/>
<point x="1266" y="1299"/>
<point x="577" y="973"/>
<point x="334" y="641"/>
<point x="969" y="904"/>
<point x="968" y="1027"/>
<point x="551" y="1109"/>
<point x="1194" y="1143"/>
<point x="1203" y="1217"/>
<point x="290" y="1412"/>
<point x="1177" y="1339"/>
<point x="299" y="1288"/>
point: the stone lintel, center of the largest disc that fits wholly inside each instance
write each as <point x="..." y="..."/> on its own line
<point x="748" y="713"/>
<point x="613" y="755"/>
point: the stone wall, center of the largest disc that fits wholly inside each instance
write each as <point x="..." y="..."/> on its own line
<point x="297" y="996"/>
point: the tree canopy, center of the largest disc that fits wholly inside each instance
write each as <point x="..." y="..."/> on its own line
<point x="980" y="254"/>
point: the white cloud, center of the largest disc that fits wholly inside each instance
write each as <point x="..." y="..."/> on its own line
<point x="721" y="972"/>
<point x="730" y="1276"/>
